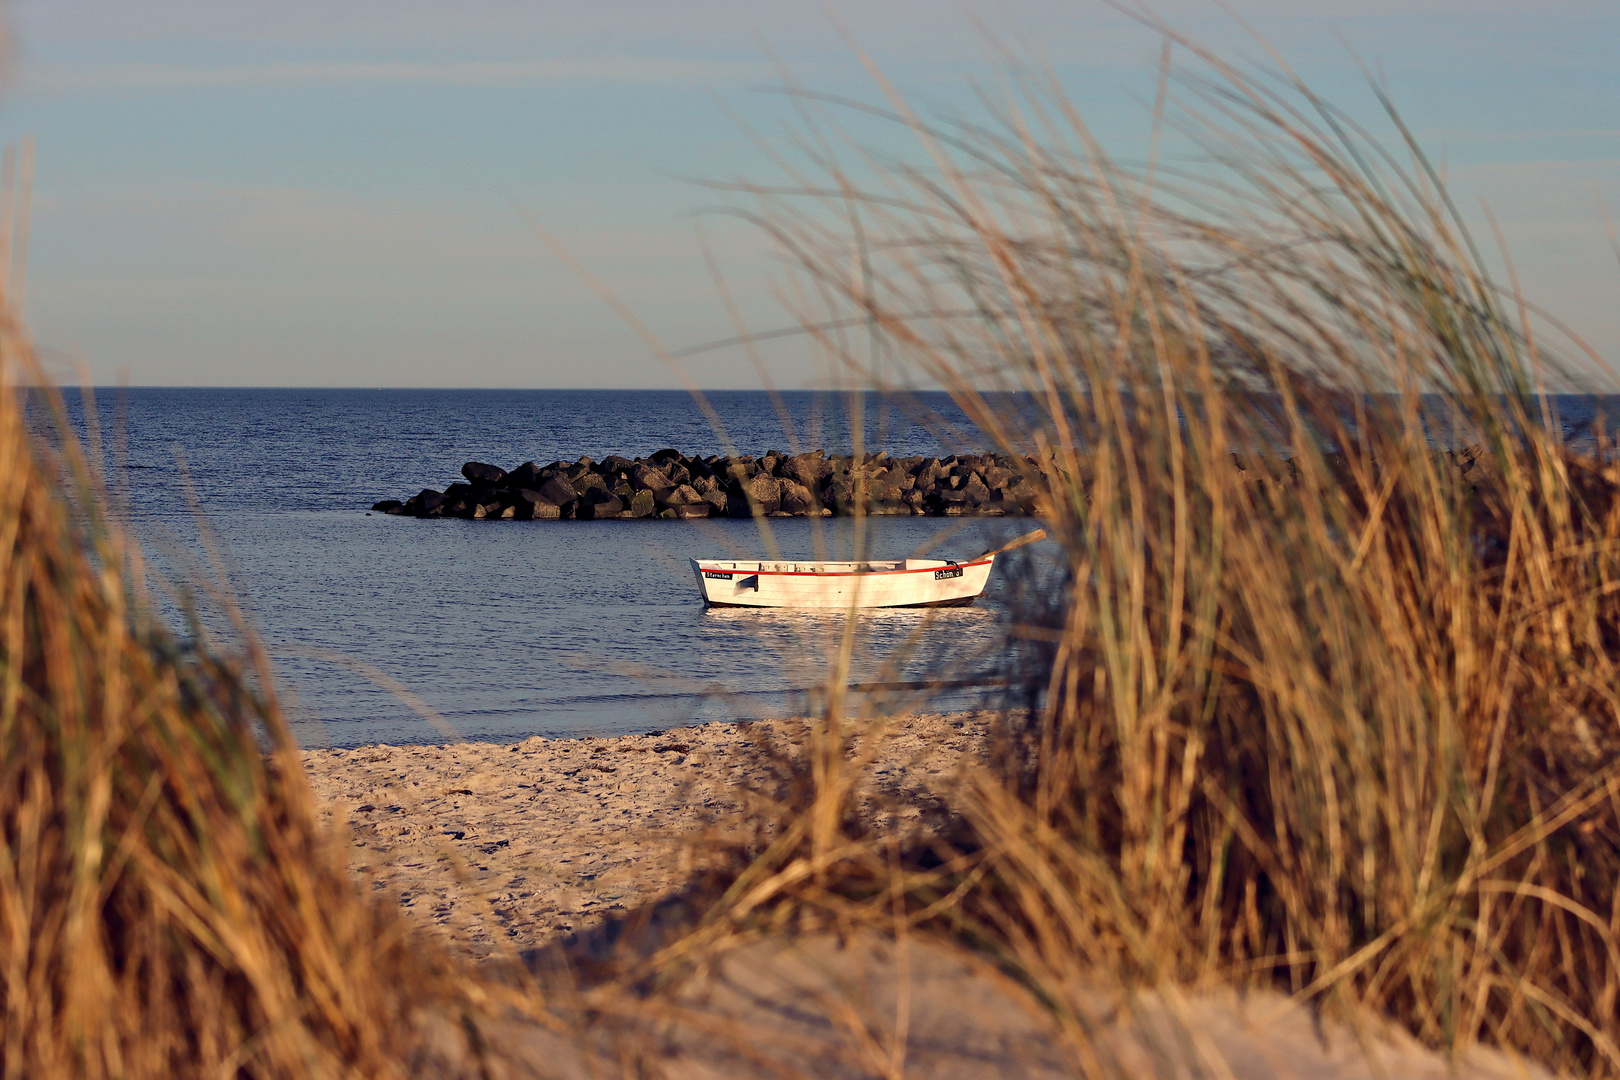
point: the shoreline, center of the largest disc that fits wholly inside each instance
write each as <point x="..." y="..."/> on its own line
<point x="506" y="847"/>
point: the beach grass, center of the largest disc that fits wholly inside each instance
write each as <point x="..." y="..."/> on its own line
<point x="1316" y="707"/>
<point x="169" y="903"/>
<point x="1326" y="701"/>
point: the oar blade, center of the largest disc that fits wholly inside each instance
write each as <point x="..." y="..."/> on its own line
<point x="1014" y="545"/>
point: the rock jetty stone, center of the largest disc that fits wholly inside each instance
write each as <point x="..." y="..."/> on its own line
<point x="644" y="477"/>
<point x="761" y="490"/>
<point x="525" y="475"/>
<point x="684" y="495"/>
<point x="557" y="491"/>
<point x="796" y="498"/>
<point x="641" y="505"/>
<point x="479" y="473"/>
<point x="600" y="503"/>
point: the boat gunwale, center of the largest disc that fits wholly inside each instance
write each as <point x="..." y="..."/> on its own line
<point x="837" y="573"/>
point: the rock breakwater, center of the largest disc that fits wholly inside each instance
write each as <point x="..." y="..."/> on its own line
<point x="670" y="485"/>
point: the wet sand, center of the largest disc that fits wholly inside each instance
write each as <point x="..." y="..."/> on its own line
<point x="506" y="847"/>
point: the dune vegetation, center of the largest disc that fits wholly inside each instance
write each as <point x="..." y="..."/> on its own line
<point x="1327" y="704"/>
<point x="169" y="905"/>
<point x="1335" y="719"/>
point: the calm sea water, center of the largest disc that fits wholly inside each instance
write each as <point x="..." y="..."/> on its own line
<point x="501" y="630"/>
<point x="510" y="629"/>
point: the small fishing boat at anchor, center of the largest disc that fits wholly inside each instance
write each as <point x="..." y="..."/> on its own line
<point x="798" y="583"/>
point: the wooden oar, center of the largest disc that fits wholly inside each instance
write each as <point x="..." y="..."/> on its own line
<point x="1027" y="538"/>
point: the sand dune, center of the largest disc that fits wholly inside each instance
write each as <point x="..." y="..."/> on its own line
<point x="824" y="1007"/>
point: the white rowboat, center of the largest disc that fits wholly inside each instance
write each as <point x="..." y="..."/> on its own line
<point x="794" y="583"/>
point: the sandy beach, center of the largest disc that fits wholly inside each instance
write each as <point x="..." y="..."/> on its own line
<point x="503" y="848"/>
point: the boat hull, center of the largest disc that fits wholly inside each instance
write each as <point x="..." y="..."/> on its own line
<point x="828" y="586"/>
<point x="965" y="601"/>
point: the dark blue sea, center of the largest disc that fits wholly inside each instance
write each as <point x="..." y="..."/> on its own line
<point x="387" y="629"/>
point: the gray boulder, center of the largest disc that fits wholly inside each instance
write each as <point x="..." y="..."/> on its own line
<point x="477" y="472"/>
<point x="558" y="492"/>
<point x="532" y="505"/>
<point x="646" y="478"/>
<point x="683" y="495"/>
<point x="587" y="480"/>
<point x="762" y="491"/>
<point x="847" y="490"/>
<point x="886" y="499"/>
<point x="796" y="498"/>
<point x="599" y="503"/>
<point x="526" y="475"/>
<point x="711" y="492"/>
<point x="1026" y="494"/>
<point x="641" y="505"/>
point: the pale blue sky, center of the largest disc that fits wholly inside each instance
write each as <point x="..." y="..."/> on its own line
<point x="245" y="192"/>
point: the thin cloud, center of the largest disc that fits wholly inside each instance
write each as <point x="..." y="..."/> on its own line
<point x="492" y="73"/>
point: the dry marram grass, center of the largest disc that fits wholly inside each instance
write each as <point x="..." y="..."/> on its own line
<point x="1335" y="718"/>
<point x="168" y="904"/>
<point x="1337" y="723"/>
